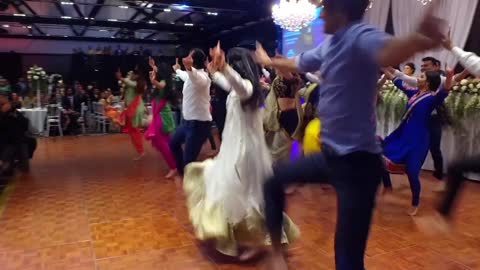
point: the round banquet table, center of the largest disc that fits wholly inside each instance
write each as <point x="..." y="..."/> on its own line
<point x="37" y="118"/>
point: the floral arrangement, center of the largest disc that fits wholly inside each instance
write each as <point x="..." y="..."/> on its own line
<point x="38" y="78"/>
<point x="463" y="101"/>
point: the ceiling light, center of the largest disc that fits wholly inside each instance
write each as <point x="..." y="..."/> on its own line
<point x="66" y="3"/>
<point x="167" y="10"/>
<point x="149" y="5"/>
<point x="154" y="39"/>
<point x="47" y="35"/>
<point x="86" y="18"/>
<point x="103" y="30"/>
<point x="92" y="18"/>
<point x="212" y="13"/>
<point x="125" y="7"/>
<point x="189" y="24"/>
<point x="112" y="20"/>
<point x="5" y="25"/>
<point x="65" y="36"/>
<point x="183" y="6"/>
<point x="66" y="17"/>
<point x="143" y="4"/>
<point x="29" y="27"/>
<point x="19" y="15"/>
<point x="152" y="22"/>
<point x="112" y="37"/>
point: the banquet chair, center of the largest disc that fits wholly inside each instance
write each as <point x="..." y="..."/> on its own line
<point x="54" y="119"/>
<point x="82" y="119"/>
<point x="102" y="120"/>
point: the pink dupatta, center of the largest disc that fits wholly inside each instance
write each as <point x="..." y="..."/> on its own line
<point x="157" y="124"/>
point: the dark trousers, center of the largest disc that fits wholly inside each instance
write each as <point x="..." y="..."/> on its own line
<point x="455" y="181"/>
<point x="355" y="177"/>
<point x="435" y="129"/>
<point x="219" y="115"/>
<point x="193" y="134"/>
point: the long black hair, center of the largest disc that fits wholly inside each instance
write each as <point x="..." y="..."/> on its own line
<point x="241" y="60"/>
<point x="164" y="74"/>
<point x="434" y="80"/>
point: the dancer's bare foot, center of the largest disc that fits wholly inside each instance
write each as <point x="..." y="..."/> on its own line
<point x="171" y="174"/>
<point x="413" y="211"/>
<point x="139" y="157"/>
<point x="433" y="225"/>
<point x="277" y="262"/>
<point x="249" y="254"/>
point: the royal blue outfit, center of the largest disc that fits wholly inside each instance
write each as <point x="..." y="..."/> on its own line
<point x="408" y="144"/>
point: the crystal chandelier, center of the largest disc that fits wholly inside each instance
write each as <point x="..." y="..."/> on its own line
<point x="293" y="15"/>
<point x="425" y="2"/>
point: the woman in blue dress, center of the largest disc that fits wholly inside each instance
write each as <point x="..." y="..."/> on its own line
<point x="406" y="148"/>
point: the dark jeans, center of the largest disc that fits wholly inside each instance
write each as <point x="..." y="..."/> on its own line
<point x="435" y="145"/>
<point x="455" y="181"/>
<point x="355" y="177"/>
<point x="193" y="134"/>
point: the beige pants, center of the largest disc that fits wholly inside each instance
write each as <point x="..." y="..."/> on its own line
<point x="280" y="145"/>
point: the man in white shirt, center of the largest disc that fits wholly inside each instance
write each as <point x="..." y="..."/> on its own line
<point x="196" y="126"/>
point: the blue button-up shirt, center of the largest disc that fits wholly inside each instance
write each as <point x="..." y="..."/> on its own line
<point x="350" y="71"/>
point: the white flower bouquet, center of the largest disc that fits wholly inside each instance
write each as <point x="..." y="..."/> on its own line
<point x="39" y="81"/>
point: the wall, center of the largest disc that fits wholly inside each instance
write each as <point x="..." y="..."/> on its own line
<point x="35" y="46"/>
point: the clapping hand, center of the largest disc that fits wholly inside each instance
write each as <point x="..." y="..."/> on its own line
<point x="177" y="65"/>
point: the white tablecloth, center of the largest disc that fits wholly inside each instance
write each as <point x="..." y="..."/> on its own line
<point x="37" y="118"/>
<point x="456" y="143"/>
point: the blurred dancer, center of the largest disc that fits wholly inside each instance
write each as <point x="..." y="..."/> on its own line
<point x="134" y="116"/>
<point x="224" y="194"/>
<point x="163" y="124"/>
<point x="350" y="157"/>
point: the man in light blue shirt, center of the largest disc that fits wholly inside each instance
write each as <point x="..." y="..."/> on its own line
<point x="351" y="159"/>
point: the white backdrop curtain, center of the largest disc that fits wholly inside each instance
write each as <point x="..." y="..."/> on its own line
<point x="378" y="14"/>
<point x="458" y="13"/>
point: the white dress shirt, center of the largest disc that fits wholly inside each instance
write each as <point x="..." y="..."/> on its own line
<point x="468" y="60"/>
<point x="196" y="94"/>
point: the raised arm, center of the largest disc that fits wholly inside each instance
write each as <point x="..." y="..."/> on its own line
<point x="428" y="36"/>
<point x="219" y="79"/>
<point x="469" y="60"/>
<point x="410" y="80"/>
<point x="198" y="77"/>
<point x="241" y="86"/>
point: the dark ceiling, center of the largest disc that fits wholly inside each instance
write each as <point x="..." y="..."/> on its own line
<point x="166" y="21"/>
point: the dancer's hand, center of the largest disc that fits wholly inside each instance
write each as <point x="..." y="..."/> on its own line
<point x="447" y="42"/>
<point x="176" y="66"/>
<point x="449" y="73"/>
<point x="152" y="76"/>
<point x="188" y="62"/>
<point x="210" y="68"/>
<point x="151" y="62"/>
<point x="261" y="56"/>
<point x="218" y="57"/>
<point x="431" y="27"/>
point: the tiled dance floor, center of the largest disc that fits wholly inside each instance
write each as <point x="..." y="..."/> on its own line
<point x="87" y="206"/>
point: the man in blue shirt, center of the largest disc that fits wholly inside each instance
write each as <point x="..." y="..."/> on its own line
<point x="349" y="63"/>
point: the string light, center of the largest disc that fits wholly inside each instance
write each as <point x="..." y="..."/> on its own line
<point x="293" y="15"/>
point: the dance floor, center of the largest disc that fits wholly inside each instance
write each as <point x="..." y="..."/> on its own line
<point x="87" y="205"/>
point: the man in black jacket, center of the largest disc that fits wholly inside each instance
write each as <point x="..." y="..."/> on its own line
<point x="15" y="145"/>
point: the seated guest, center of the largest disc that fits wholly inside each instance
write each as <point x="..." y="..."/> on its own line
<point x="72" y="107"/>
<point x="5" y="86"/>
<point x="111" y="112"/>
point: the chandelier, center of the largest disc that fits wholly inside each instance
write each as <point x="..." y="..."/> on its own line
<point x="293" y="15"/>
<point x="425" y="2"/>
